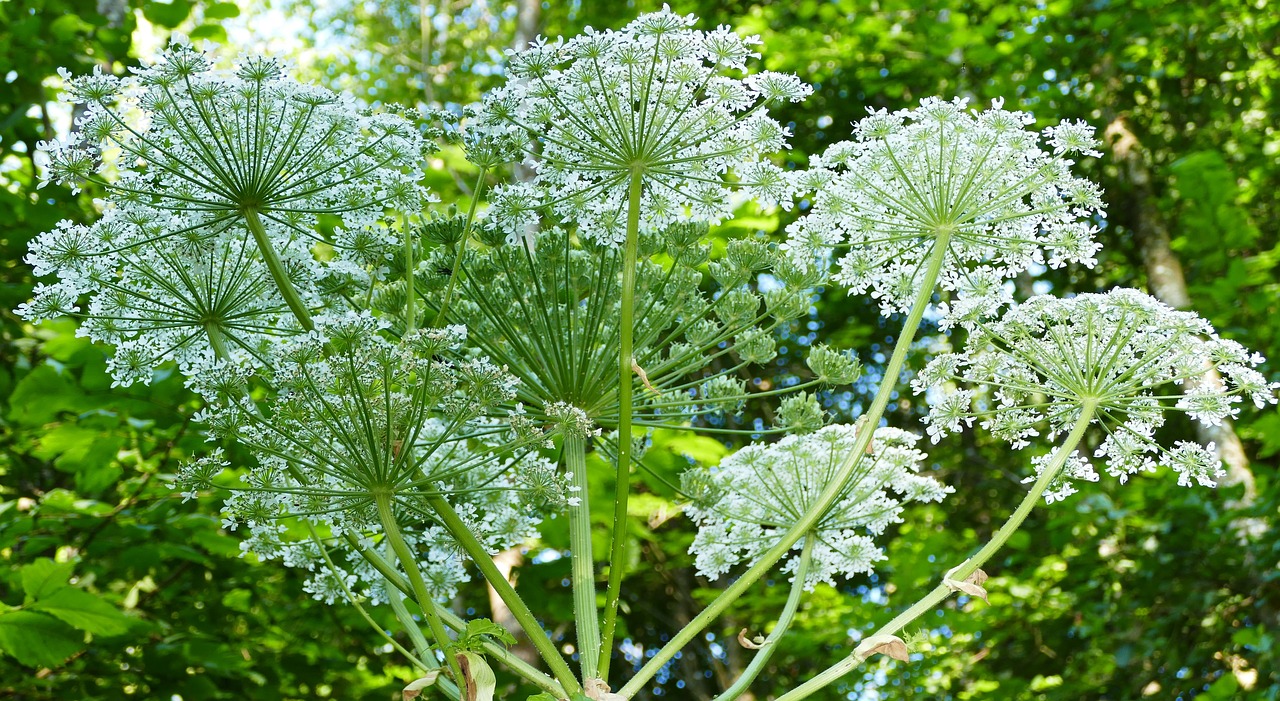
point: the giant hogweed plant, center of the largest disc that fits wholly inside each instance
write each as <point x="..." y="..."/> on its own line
<point x="421" y="386"/>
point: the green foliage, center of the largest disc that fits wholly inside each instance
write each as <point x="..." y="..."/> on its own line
<point x="1141" y="591"/>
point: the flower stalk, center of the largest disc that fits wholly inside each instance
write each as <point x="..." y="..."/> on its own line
<point x="743" y="682"/>
<point x="626" y="360"/>
<point x="586" y="618"/>
<point x="276" y="266"/>
<point x="828" y="496"/>
<point x="420" y="594"/>
<point x="968" y="567"/>
<point x="475" y="549"/>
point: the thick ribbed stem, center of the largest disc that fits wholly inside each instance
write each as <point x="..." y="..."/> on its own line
<point x="410" y="564"/>
<point x="626" y="328"/>
<point x="784" y="622"/>
<point x="968" y="567"/>
<point x="475" y="550"/>
<point x="585" y="616"/>
<point x="828" y="495"/>
<point x="278" y="273"/>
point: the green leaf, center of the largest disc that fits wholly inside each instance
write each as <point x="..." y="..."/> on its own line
<point x="44" y="577"/>
<point x="478" y="629"/>
<point x="213" y="32"/>
<point x="43" y="394"/>
<point x="37" y="640"/>
<point x="84" y="611"/>
<point x="167" y="14"/>
<point x="221" y="10"/>
<point x="67" y="26"/>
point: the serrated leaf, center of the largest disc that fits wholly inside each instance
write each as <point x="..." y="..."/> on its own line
<point x="43" y="577"/>
<point x="479" y="627"/>
<point x="84" y="611"/>
<point x="37" y="640"/>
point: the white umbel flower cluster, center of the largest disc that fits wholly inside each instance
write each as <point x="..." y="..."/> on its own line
<point x="1124" y="352"/>
<point x="999" y="196"/>
<point x="356" y="417"/>
<point x="216" y="179"/>
<point x="757" y="494"/>
<point x="657" y="100"/>
<point x="185" y="136"/>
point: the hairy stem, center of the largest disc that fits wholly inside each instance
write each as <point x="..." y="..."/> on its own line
<point x="425" y="602"/>
<point x="475" y="549"/>
<point x="968" y="567"/>
<point x="585" y="616"/>
<point x="758" y="662"/>
<point x="828" y="495"/>
<point x="626" y="328"/>
<point x="278" y="273"/>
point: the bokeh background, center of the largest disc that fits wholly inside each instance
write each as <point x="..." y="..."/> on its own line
<point x="1144" y="590"/>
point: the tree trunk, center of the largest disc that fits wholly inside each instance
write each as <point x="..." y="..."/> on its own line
<point x="1166" y="281"/>
<point x="506" y="561"/>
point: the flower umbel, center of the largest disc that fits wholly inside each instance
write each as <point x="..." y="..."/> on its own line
<point x="184" y="136"/>
<point x="756" y="494"/>
<point x="1123" y="355"/>
<point x="978" y="183"/>
<point x="357" y="417"/>
<point x="655" y="101"/>
<point x="216" y="179"/>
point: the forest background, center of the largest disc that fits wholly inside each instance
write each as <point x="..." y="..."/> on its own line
<point x="1146" y="590"/>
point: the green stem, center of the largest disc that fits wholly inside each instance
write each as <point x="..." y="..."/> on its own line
<point x="476" y="551"/>
<point x="829" y="494"/>
<point x="425" y="602"/>
<point x="494" y="650"/>
<point x="585" y="616"/>
<point x="410" y="285"/>
<point x="394" y="578"/>
<point x="396" y="599"/>
<point x="217" y="342"/>
<point x="278" y="273"/>
<point x="758" y="662"/>
<point x="968" y="567"/>
<point x="626" y="328"/>
<point x="423" y="660"/>
<point x="462" y="247"/>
